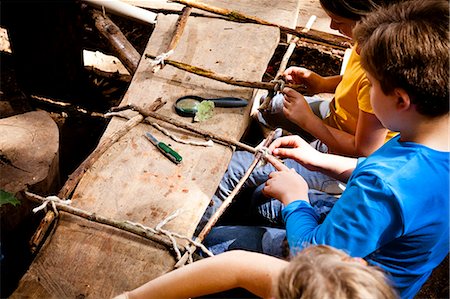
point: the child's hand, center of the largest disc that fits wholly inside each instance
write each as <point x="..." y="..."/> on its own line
<point x="296" y="109"/>
<point x="286" y="185"/>
<point x="300" y="75"/>
<point x="294" y="147"/>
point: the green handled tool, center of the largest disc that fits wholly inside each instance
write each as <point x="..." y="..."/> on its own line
<point x="165" y="149"/>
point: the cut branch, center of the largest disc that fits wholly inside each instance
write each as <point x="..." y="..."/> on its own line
<point x="121" y="47"/>
<point x="215" y="217"/>
<point x="123" y="225"/>
<point x="226" y="79"/>
<point x="179" y="29"/>
<point x="191" y="128"/>
<point x="76" y="176"/>
<point x="240" y="17"/>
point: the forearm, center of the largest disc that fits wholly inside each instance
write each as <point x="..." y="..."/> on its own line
<point x="211" y="275"/>
<point x="330" y="83"/>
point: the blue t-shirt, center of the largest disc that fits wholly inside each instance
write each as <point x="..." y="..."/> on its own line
<point x="394" y="213"/>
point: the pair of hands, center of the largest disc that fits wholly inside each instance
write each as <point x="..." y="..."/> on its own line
<point x="286" y="184"/>
<point x="296" y="109"/>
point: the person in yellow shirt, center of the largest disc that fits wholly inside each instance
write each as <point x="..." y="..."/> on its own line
<point x="346" y="126"/>
<point x="349" y="126"/>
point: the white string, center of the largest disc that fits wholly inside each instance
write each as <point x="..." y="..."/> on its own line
<point x="159" y="60"/>
<point x="172" y="235"/>
<point x="52" y="199"/>
<point x="179" y="140"/>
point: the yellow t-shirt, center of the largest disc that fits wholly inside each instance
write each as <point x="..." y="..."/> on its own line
<point x="351" y="95"/>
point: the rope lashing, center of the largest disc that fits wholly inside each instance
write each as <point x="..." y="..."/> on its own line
<point x="279" y="85"/>
<point x="172" y="235"/>
<point x="158" y="230"/>
<point x="159" y="60"/>
<point x="52" y="200"/>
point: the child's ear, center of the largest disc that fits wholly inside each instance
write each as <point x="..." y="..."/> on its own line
<point x="403" y="102"/>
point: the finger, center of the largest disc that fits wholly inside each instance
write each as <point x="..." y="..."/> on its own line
<point x="276" y="163"/>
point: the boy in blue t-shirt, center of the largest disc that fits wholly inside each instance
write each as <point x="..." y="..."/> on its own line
<point x="395" y="210"/>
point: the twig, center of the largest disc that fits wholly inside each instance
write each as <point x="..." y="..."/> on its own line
<point x="240" y="17"/>
<point x="212" y="221"/>
<point x="222" y="78"/>
<point x="179" y="29"/>
<point x="191" y="128"/>
<point x="284" y="62"/>
<point x="123" y="225"/>
<point x="76" y="176"/>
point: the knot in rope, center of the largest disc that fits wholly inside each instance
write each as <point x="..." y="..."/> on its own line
<point x="53" y="200"/>
<point x="159" y="60"/>
<point x="279" y="85"/>
<point x="172" y="235"/>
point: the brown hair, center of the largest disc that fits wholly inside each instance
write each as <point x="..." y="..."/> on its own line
<point x="324" y="272"/>
<point x="406" y="45"/>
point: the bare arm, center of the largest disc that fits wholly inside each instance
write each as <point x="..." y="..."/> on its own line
<point x="369" y="136"/>
<point x="296" y="148"/>
<point x="252" y="271"/>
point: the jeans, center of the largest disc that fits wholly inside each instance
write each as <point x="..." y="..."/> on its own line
<point x="239" y="164"/>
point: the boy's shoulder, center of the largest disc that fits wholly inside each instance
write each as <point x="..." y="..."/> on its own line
<point x="397" y="160"/>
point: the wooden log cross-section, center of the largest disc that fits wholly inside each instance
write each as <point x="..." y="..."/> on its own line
<point x="133" y="181"/>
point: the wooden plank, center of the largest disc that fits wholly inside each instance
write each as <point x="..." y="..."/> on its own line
<point x="85" y="259"/>
<point x="279" y="12"/>
<point x="133" y="181"/>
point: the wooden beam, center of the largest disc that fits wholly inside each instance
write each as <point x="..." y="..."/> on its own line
<point x="121" y="47"/>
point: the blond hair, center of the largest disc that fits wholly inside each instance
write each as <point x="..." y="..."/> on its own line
<point x="324" y="272"/>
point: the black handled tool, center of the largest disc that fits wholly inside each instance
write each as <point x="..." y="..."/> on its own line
<point x="187" y="105"/>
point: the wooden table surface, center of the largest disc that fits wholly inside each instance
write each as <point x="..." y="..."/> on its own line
<point x="134" y="181"/>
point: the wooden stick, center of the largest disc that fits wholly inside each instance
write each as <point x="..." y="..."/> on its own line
<point x="284" y="61"/>
<point x="76" y="176"/>
<point x="123" y="225"/>
<point x="191" y="128"/>
<point x="172" y="121"/>
<point x="179" y="29"/>
<point x="226" y="79"/>
<point x="41" y="231"/>
<point x="215" y="217"/>
<point x="240" y="17"/>
<point x="121" y="47"/>
<point x="109" y="75"/>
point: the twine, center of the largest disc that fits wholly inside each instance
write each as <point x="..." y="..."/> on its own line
<point x="159" y="60"/>
<point x="52" y="199"/>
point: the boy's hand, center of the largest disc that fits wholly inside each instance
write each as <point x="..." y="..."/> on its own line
<point x="300" y="75"/>
<point x="286" y="185"/>
<point x="296" y="109"/>
<point x="294" y="147"/>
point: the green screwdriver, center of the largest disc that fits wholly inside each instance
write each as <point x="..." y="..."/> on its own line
<point x="165" y="149"/>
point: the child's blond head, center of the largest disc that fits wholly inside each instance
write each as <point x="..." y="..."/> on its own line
<point x="324" y="272"/>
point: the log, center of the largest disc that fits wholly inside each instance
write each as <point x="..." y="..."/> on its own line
<point x="30" y="160"/>
<point x="29" y="151"/>
<point x="121" y="47"/>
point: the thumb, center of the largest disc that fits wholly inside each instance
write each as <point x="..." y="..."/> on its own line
<point x="276" y="163"/>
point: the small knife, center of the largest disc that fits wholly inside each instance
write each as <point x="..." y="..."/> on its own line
<point x="165" y="149"/>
